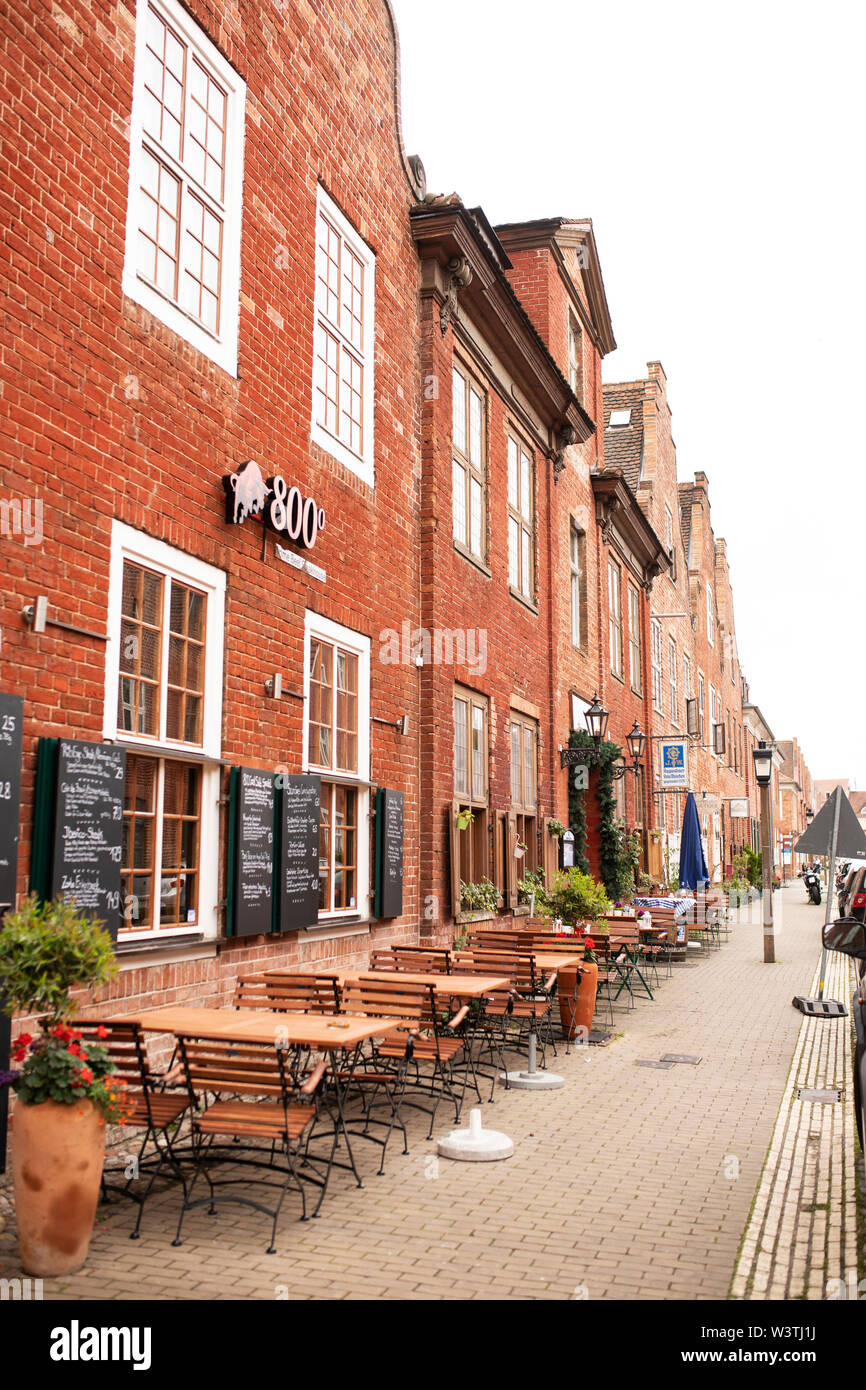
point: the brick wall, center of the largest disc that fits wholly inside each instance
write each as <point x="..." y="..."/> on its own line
<point x="108" y="414"/>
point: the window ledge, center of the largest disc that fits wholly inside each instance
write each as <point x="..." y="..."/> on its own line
<point x="521" y="598"/>
<point x="156" y="950"/>
<point x="463" y="917"/>
<point x="473" y="559"/>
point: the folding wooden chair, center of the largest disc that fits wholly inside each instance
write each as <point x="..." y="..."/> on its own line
<point x="278" y="991"/>
<point x="148" y="1107"/>
<point x="279" y="1110"/>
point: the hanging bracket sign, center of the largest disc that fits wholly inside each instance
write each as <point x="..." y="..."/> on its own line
<point x="675" y="763"/>
<point x="282" y="508"/>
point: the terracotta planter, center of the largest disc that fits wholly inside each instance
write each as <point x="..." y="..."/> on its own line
<point x="577" y="1012"/>
<point x="57" y="1157"/>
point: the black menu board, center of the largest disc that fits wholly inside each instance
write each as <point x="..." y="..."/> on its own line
<point x="300" y="817"/>
<point x="389" y="853"/>
<point x="11" y="718"/>
<point x="254" y="853"/>
<point x="88" y="828"/>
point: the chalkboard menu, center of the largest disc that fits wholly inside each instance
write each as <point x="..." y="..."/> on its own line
<point x="254" y="853"/>
<point x="88" y="828"/>
<point x="300" y="816"/>
<point x="389" y="853"/>
<point x="11" y="717"/>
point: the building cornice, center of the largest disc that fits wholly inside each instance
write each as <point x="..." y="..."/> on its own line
<point x="617" y="511"/>
<point x="463" y="263"/>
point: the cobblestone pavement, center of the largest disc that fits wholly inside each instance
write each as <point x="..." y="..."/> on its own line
<point x="803" y="1229"/>
<point x="628" y="1182"/>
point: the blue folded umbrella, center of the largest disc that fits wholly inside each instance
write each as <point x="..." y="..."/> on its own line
<point x="693" y="865"/>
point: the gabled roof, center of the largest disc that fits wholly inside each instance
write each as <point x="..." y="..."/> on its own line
<point x="445" y="231"/>
<point x="569" y="232"/>
<point x="623" y="444"/>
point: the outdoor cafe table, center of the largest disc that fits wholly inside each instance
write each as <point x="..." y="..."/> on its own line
<point x="445" y="986"/>
<point x="331" y="1033"/>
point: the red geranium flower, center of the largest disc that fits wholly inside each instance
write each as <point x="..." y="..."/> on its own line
<point x="23" y="1040"/>
<point x="588" y="941"/>
<point x="86" y="1075"/>
<point x="101" y="1032"/>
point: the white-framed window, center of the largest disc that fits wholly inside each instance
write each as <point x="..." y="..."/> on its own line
<point x="521" y="520"/>
<point x="524" y="785"/>
<point x="469" y="463"/>
<point x="687" y="677"/>
<point x="702" y="708"/>
<point x="163" y="700"/>
<point x="614" y="596"/>
<point x="471" y="784"/>
<point x="577" y="558"/>
<point x="182" y="258"/>
<point x="575" y="357"/>
<point x="656" y="657"/>
<point x="344" y="343"/>
<point x="673" y="681"/>
<point x="711" y="625"/>
<point x="337" y="747"/>
<point x="634" y="643"/>
<point x="714" y="715"/>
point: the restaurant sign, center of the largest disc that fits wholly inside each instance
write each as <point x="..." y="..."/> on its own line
<point x="282" y="508"/>
<point x="675" y="763"/>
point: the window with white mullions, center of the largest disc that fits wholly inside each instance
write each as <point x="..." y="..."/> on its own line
<point x="469" y="445"/>
<point x="164" y="688"/>
<point x="337" y="747"/>
<point x="521" y="520"/>
<point x="634" y="642"/>
<point x="182" y="256"/>
<point x="656" y="658"/>
<point x="343" y="349"/>
<point x="524" y="788"/>
<point x="614" y="597"/>
<point x="578" y="585"/>
<point x="470" y="785"/>
<point x="673" y="681"/>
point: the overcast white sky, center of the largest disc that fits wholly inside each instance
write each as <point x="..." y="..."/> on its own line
<point x="719" y="152"/>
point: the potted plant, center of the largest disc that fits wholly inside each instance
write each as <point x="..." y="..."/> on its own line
<point x="65" y="1092"/>
<point x="464" y="819"/>
<point x="530" y="888"/>
<point x="479" y="898"/>
<point x="576" y="898"/>
<point x="556" y="828"/>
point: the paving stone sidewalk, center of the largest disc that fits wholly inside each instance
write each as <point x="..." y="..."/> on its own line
<point x="627" y="1183"/>
<point x="803" y="1229"/>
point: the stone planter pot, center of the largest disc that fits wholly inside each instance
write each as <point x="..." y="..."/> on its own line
<point x="577" y="1000"/>
<point x="57" y="1156"/>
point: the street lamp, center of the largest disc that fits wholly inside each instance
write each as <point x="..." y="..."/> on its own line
<point x="596" y="721"/>
<point x="636" y="741"/>
<point x="763" y="757"/>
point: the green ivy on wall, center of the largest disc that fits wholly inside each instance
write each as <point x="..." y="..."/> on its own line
<point x="609" y="834"/>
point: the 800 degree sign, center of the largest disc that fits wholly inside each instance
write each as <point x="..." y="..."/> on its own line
<point x="282" y="508"/>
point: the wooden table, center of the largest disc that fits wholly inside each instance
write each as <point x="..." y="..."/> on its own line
<point x="331" y="1033"/>
<point x="445" y="986"/>
<point x="323" y="1032"/>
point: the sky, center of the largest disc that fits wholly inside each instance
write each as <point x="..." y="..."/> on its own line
<point x="719" y="152"/>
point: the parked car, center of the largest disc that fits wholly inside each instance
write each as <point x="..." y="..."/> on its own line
<point x="848" y="935"/>
<point x="854" y="884"/>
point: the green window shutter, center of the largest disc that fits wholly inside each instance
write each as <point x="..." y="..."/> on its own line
<point x="231" y="868"/>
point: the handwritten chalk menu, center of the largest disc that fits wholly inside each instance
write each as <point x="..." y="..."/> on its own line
<point x="11" y="718"/>
<point x="88" y="828"/>
<point x="300" y="816"/>
<point x="254" y="850"/>
<point x="389" y="853"/>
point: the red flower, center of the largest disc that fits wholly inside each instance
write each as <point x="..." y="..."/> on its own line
<point x="86" y="1075"/>
<point x="18" y="1054"/>
<point x="588" y="941"/>
<point x="101" y="1032"/>
<point x="23" y="1040"/>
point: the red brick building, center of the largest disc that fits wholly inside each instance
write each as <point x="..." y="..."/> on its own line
<point x="203" y="274"/>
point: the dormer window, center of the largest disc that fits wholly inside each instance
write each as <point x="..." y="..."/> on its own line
<point x="619" y="417"/>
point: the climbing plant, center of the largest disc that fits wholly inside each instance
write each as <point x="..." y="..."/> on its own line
<point x="610" y="836"/>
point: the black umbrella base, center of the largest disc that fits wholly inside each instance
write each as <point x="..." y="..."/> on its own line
<point x="819" y="1008"/>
